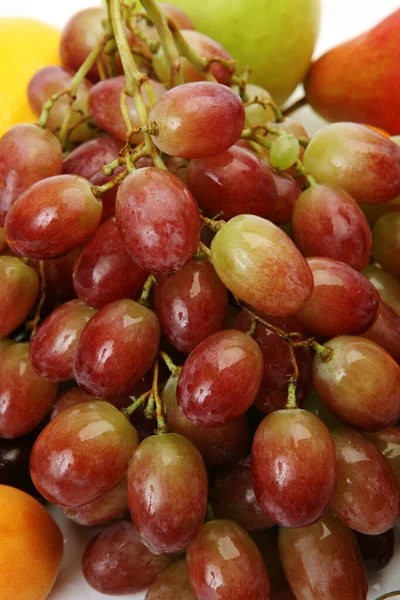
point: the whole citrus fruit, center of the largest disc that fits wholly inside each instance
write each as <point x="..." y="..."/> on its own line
<point x="26" y="45"/>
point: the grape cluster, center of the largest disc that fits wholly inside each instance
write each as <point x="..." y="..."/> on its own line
<point x="199" y="320"/>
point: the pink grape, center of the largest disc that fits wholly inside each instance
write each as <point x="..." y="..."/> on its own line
<point x="388" y="443"/>
<point x="75" y="395"/>
<point x="387" y="286"/>
<point x="88" y="158"/>
<point x="19" y="288"/>
<point x="386" y="331"/>
<point x="112" y="505"/>
<point x="171" y="584"/>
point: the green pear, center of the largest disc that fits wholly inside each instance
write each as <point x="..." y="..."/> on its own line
<point x="274" y="37"/>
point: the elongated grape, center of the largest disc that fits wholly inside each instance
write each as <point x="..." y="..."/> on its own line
<point x="387" y="286"/>
<point x="53" y="346"/>
<point x="220" y="379"/>
<point x="158" y="220"/>
<point x="171" y="584"/>
<point x="53" y="217"/>
<point x="110" y="506"/>
<point x="386" y="243"/>
<point x="116" y="348"/>
<point x="19" y="287"/>
<point x="104" y="271"/>
<point x="386" y="331"/>
<point x="25" y="397"/>
<point x="284" y="151"/>
<point x="367" y="495"/>
<point x="28" y="153"/>
<point x="360" y="383"/>
<point x="88" y="158"/>
<point x="308" y="553"/>
<point x="167" y="492"/>
<point x="82" y="454"/>
<point x="328" y="222"/>
<point x="354" y="157"/>
<point x="376" y="550"/>
<point x="356" y="301"/>
<point x="388" y="443"/>
<point x="223" y="562"/>
<point x="260" y="264"/>
<point x="196" y="120"/>
<point x="288" y="191"/>
<point x="293" y="467"/>
<point x="232" y="183"/>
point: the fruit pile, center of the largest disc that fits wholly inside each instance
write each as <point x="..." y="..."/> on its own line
<point x="199" y="320"/>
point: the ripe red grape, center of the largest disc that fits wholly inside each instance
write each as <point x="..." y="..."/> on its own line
<point x="293" y="467"/>
<point x="109" y="197"/>
<point x="360" y="383"/>
<point x="171" y="584"/>
<point x="58" y="278"/>
<point x="28" y="153"/>
<point x="53" y="217"/>
<point x="88" y="158"/>
<point x="198" y="119"/>
<point x="220" y="379"/>
<point x="76" y="395"/>
<point x="288" y="192"/>
<point x="19" y="287"/>
<point x="167" y="492"/>
<point x="82" y="454"/>
<point x="158" y="220"/>
<point x="356" y="158"/>
<point x="53" y="346"/>
<point x="234" y="182"/>
<point x="261" y="265"/>
<point x="267" y="543"/>
<point x="25" y="397"/>
<point x="387" y="286"/>
<point x="104" y="271"/>
<point x="386" y="243"/>
<point x="117" y="562"/>
<point x="116" y="348"/>
<point x="388" y="443"/>
<point x="112" y="505"/>
<point x="386" y="331"/>
<point x="191" y="304"/>
<point x="377" y="550"/>
<point x="323" y="561"/>
<point x="223" y="563"/>
<point x="328" y="222"/>
<point x="366" y="496"/>
<point x="344" y="294"/>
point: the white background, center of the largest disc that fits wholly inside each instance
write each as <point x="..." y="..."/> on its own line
<point x="341" y="19"/>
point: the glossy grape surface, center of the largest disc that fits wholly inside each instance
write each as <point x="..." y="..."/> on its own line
<point x="116" y="348"/>
<point x="232" y="183"/>
<point x="220" y="379"/>
<point x="53" y="217"/>
<point x="88" y="158"/>
<point x="223" y="562"/>
<point x="366" y="496"/>
<point x="104" y="271"/>
<point x="82" y="454"/>
<point x="284" y="151"/>
<point x="354" y="308"/>
<point x="360" y="383"/>
<point x="308" y="553"/>
<point x="171" y="584"/>
<point x="386" y="243"/>
<point x="388" y="443"/>
<point x="158" y="220"/>
<point x="112" y="505"/>
<point x="196" y="120"/>
<point x="386" y="331"/>
<point x="19" y="288"/>
<point x="167" y="492"/>
<point x="76" y="395"/>
<point x="260" y="264"/>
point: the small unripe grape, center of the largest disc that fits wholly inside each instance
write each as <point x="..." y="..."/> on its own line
<point x="284" y="151"/>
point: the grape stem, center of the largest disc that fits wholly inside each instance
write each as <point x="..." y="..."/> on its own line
<point x="323" y="351"/>
<point x="212" y="224"/>
<point x="144" y="296"/>
<point x="252" y="328"/>
<point x="161" y="424"/>
<point x="129" y="410"/>
<point x="173" y="368"/>
<point x="203" y="248"/>
<point x="389" y="595"/>
<point x="291" y="398"/>
<point x="295" y="106"/>
<point x="98" y="190"/>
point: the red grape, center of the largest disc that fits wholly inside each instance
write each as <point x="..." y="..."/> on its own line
<point x="167" y="492"/>
<point x="261" y="265"/>
<point x="220" y="379"/>
<point x="191" y="304"/>
<point x="342" y="302"/>
<point x="387" y="286"/>
<point x="53" y="217"/>
<point x="113" y="505"/>
<point x="366" y="496"/>
<point x="356" y="158"/>
<point x="116" y="348"/>
<point x="277" y="363"/>
<point x="267" y="543"/>
<point x="360" y="383"/>
<point x="386" y="243"/>
<point x="388" y="443"/>
<point x="14" y="463"/>
<point x="288" y="192"/>
<point x="51" y="80"/>
<point x="233" y="182"/>
<point x="76" y="395"/>
<point x="53" y="346"/>
<point x="105" y="106"/>
<point x="158" y="220"/>
<point x="328" y="222"/>
<point x="25" y="397"/>
<point x="88" y="158"/>
<point x="234" y="498"/>
<point x="220" y="446"/>
<point x="180" y="18"/>
<point x="223" y="563"/>
<point x="323" y="561"/>
<point x="82" y="454"/>
<point x="28" y="153"/>
<point x="171" y="584"/>
<point x="117" y="562"/>
<point x="377" y="550"/>
<point x="19" y="287"/>
<point x="293" y="467"/>
<point x="104" y="271"/>
<point x="386" y="331"/>
<point x="109" y="197"/>
<point x="195" y="120"/>
<point x="58" y="278"/>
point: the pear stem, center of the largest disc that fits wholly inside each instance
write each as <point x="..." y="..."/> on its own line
<point x="295" y="106"/>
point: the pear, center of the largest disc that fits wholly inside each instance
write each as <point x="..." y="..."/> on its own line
<point x="360" y="80"/>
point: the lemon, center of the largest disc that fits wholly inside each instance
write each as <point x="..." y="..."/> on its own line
<point x="26" y="45"/>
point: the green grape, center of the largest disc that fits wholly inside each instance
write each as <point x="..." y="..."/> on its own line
<point x="284" y="151"/>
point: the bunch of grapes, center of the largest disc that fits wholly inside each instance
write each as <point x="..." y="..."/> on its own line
<point x="200" y="331"/>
